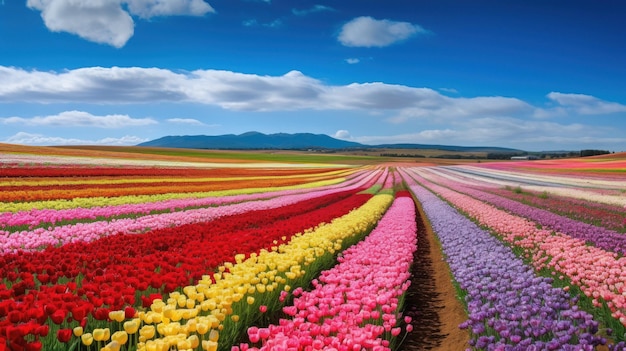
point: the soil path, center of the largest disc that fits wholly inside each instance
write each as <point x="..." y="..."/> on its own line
<point x="431" y="299"/>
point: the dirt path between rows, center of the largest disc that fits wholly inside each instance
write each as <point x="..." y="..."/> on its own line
<point x="431" y="300"/>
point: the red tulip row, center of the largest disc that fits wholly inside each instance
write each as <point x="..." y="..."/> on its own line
<point x="59" y="288"/>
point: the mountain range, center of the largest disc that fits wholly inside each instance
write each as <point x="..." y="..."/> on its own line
<point x="296" y="141"/>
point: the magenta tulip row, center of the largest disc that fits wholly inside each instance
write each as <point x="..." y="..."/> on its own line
<point x="354" y="305"/>
<point x="599" y="273"/>
<point x="85" y="232"/>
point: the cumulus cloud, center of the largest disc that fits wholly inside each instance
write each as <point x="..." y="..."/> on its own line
<point x="353" y="61"/>
<point x="24" y="138"/>
<point x="79" y="119"/>
<point x="369" y="32"/>
<point x="342" y="134"/>
<point x="238" y="91"/>
<point x="250" y="92"/>
<point x="109" y="21"/>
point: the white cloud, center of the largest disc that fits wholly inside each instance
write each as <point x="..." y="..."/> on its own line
<point x="250" y="23"/>
<point x="586" y="104"/>
<point x="238" y="91"/>
<point x="109" y="21"/>
<point x="189" y="121"/>
<point x="511" y="132"/>
<point x="314" y="9"/>
<point x="449" y="90"/>
<point x="153" y="8"/>
<point x="39" y="139"/>
<point x="250" y="92"/>
<point x="79" y="119"/>
<point x="100" y="21"/>
<point x="342" y="134"/>
<point x="370" y="32"/>
<point x="253" y="23"/>
<point x="353" y="61"/>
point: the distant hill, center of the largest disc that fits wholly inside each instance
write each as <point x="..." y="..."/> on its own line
<point x="253" y="140"/>
<point x="297" y="141"/>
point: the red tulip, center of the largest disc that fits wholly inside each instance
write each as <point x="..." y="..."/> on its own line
<point x="58" y="316"/>
<point x="15" y="333"/>
<point x="16" y="316"/>
<point x="101" y="314"/>
<point x="42" y="330"/>
<point x="129" y="312"/>
<point x="64" y="335"/>
<point x="33" y="346"/>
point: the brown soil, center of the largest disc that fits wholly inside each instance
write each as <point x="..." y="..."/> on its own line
<point x="431" y="300"/>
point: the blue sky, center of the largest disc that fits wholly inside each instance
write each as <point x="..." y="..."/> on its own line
<point x="529" y="74"/>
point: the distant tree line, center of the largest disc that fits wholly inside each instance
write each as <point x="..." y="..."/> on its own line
<point x="504" y="155"/>
<point x="459" y="157"/>
<point x="401" y="155"/>
<point x="541" y="155"/>
<point x="584" y="153"/>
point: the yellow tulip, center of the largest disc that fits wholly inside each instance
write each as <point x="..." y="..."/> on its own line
<point x="117" y="316"/>
<point x="87" y="339"/>
<point x="203" y="328"/>
<point x="120" y="336"/>
<point x="131" y="327"/>
<point x="183" y="344"/>
<point x="101" y="334"/>
<point x="78" y="331"/>
<point x="157" y="305"/>
<point x="214" y="335"/>
<point x="147" y="331"/>
<point x="250" y="300"/>
<point x="234" y="318"/>
<point x="112" y="346"/>
<point x="209" y="345"/>
<point x="194" y="341"/>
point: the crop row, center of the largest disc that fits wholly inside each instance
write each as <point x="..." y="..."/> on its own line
<point x="91" y="279"/>
<point x="509" y="306"/>
<point x="598" y="273"/>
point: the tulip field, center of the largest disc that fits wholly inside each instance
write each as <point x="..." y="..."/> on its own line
<point x="158" y="254"/>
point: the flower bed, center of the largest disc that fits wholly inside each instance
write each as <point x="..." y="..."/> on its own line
<point x="114" y="272"/>
<point x="601" y="237"/>
<point x="598" y="273"/>
<point x="509" y="307"/>
<point x="356" y="304"/>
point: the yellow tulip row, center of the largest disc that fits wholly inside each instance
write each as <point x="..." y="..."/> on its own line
<point x="224" y="304"/>
<point x="29" y="182"/>
<point x="89" y="202"/>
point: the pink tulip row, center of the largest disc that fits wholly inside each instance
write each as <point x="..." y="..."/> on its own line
<point x="599" y="274"/>
<point x="86" y="232"/>
<point x="50" y="216"/>
<point x="354" y="305"/>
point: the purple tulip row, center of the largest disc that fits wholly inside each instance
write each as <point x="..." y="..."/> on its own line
<point x="354" y="305"/>
<point x="509" y="307"/>
<point x="600" y="237"/>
